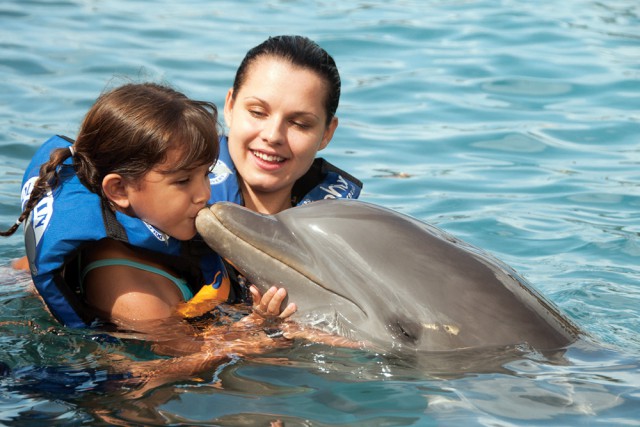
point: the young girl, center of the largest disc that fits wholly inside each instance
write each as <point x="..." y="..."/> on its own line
<point x="109" y="217"/>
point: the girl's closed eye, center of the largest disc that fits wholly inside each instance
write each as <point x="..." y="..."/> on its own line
<point x="196" y="174"/>
<point x="182" y="180"/>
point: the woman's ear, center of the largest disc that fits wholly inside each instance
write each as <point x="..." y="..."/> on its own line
<point x="328" y="133"/>
<point x="228" y="107"/>
<point x="115" y="190"/>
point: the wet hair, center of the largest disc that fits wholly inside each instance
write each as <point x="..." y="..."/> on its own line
<point x="130" y="130"/>
<point x="301" y="52"/>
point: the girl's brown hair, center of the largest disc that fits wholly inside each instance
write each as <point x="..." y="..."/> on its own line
<point x="128" y="131"/>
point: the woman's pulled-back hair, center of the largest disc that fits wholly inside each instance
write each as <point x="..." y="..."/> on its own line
<point x="301" y="52"/>
<point x="129" y="130"/>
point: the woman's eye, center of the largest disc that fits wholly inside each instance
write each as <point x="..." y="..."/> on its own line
<point x="301" y="125"/>
<point x="257" y="113"/>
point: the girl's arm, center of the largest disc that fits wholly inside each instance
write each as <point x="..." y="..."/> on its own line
<point x="125" y="295"/>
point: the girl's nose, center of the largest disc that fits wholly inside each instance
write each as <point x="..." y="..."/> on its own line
<point x="203" y="192"/>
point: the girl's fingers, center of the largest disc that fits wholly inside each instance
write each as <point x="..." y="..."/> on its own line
<point x="275" y="302"/>
<point x="255" y="294"/>
<point x="288" y="311"/>
<point x="270" y="303"/>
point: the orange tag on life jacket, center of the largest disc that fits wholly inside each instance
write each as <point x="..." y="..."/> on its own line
<point x="206" y="299"/>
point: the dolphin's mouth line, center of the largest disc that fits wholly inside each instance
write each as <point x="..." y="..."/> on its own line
<point x="308" y="278"/>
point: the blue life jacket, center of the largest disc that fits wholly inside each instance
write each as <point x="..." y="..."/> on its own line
<point x="71" y="217"/>
<point x="322" y="181"/>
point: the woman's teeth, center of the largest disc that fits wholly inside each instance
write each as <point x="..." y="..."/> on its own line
<point x="268" y="157"/>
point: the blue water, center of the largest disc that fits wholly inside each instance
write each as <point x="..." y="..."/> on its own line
<point x="513" y="125"/>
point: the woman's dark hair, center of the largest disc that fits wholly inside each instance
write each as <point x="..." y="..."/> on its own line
<point x="129" y="130"/>
<point x="301" y="52"/>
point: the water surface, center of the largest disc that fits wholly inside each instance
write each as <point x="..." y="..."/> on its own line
<point x="512" y="125"/>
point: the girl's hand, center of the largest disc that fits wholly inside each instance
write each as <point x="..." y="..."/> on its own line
<point x="268" y="305"/>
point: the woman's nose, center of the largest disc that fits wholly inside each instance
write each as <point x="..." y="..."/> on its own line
<point x="273" y="131"/>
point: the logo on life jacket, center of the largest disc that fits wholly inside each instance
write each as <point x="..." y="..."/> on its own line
<point x="158" y="234"/>
<point x="337" y="190"/>
<point x="335" y="187"/>
<point x="40" y="215"/>
<point x="219" y="173"/>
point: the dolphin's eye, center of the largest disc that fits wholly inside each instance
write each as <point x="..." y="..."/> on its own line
<point x="404" y="329"/>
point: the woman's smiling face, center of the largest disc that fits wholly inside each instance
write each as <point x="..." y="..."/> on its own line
<point x="277" y="123"/>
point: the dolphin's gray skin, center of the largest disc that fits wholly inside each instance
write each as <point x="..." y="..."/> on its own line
<point x="384" y="277"/>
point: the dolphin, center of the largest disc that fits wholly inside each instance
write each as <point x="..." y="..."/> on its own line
<point x="373" y="274"/>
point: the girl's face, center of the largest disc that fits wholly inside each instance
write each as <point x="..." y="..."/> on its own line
<point x="277" y="124"/>
<point x="170" y="201"/>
